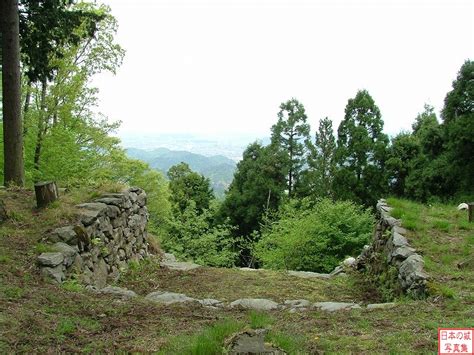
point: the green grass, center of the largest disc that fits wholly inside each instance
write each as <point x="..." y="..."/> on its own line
<point x="39" y="317"/>
<point x="208" y="341"/>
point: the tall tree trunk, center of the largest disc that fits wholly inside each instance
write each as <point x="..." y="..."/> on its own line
<point x="12" y="123"/>
<point x="26" y="107"/>
<point x="41" y="128"/>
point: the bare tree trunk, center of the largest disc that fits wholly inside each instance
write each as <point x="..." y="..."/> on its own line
<point x="26" y="107"/>
<point x="12" y="123"/>
<point x="41" y="128"/>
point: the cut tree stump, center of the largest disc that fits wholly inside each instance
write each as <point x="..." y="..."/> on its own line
<point x="46" y="192"/>
<point x="471" y="211"/>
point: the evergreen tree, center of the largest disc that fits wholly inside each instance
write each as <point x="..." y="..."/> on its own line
<point x="186" y="186"/>
<point x="458" y="127"/>
<point x="257" y="187"/>
<point x="318" y="178"/>
<point x="361" y="152"/>
<point x="291" y="136"/>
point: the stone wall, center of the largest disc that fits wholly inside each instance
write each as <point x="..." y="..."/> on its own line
<point x="108" y="234"/>
<point x="390" y="261"/>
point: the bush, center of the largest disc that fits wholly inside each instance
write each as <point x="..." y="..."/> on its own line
<point x="193" y="236"/>
<point x="314" y="236"/>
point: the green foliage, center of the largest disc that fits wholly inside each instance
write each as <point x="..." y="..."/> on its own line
<point x="187" y="186"/>
<point x="257" y="187"/>
<point x="361" y="152"/>
<point x="318" y="179"/>
<point x="314" y="236"/>
<point x="290" y="135"/>
<point x="193" y="235"/>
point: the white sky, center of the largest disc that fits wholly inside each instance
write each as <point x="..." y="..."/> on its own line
<point x="213" y="67"/>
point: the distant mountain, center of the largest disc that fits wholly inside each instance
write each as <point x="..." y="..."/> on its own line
<point x="218" y="168"/>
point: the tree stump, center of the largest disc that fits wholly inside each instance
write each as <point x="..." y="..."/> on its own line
<point x="46" y="192"/>
<point x="471" y="211"/>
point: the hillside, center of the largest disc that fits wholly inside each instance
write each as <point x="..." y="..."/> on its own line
<point x="218" y="168"/>
<point x="38" y="317"/>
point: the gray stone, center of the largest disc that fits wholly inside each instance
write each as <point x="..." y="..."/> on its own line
<point x="68" y="252"/>
<point x="99" y="277"/>
<point x="55" y="273"/>
<point x="411" y="272"/>
<point x="50" y="259"/>
<point x="64" y="234"/>
<point x="180" y="266"/>
<point x="350" y="261"/>
<point x="309" y="275"/>
<point x="337" y="270"/>
<point x="118" y="292"/>
<point x="401" y="253"/>
<point x="251" y="342"/>
<point x="335" y="306"/>
<point x="381" y="305"/>
<point x="211" y="303"/>
<point x="141" y="199"/>
<point x="115" y="201"/>
<point x="113" y="211"/>
<point x="260" y="304"/>
<point x="91" y="211"/>
<point x="78" y="264"/>
<point x="168" y="297"/>
<point x="399" y="230"/>
<point x="398" y="240"/>
<point x="297" y="303"/>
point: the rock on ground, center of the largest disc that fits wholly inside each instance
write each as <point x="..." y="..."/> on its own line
<point x="180" y="266"/>
<point x="168" y="297"/>
<point x="260" y="304"/>
<point x="117" y="291"/>
<point x="380" y="305"/>
<point x="251" y="342"/>
<point x="335" y="306"/>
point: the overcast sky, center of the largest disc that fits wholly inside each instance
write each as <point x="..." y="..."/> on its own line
<point x="213" y="67"/>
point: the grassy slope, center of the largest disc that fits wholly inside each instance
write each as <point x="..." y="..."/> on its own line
<point x="36" y="316"/>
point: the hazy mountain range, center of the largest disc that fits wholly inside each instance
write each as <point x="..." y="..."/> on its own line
<point x="218" y="168"/>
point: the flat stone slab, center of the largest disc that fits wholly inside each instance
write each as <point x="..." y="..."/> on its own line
<point x="297" y="303"/>
<point x="335" y="306"/>
<point x="309" y="275"/>
<point x="251" y="342"/>
<point x="50" y="259"/>
<point x="260" y="304"/>
<point x="211" y="303"/>
<point x="117" y="291"/>
<point x="381" y="305"/>
<point x="168" y="297"/>
<point x="181" y="266"/>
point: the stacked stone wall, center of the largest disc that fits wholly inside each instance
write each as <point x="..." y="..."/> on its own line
<point x="110" y="232"/>
<point x="391" y="260"/>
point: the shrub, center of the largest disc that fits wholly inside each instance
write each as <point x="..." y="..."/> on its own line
<point x="194" y="236"/>
<point x="314" y="236"/>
